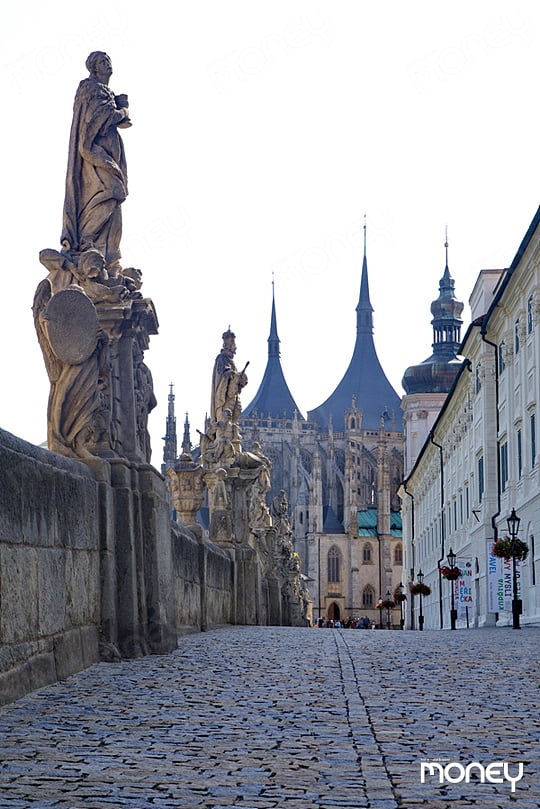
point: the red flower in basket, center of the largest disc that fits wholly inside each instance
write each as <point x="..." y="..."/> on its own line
<point x="450" y="573"/>
<point x="420" y="589"/>
<point x="507" y="548"/>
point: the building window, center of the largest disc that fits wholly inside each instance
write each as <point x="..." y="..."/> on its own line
<point x="367" y="553"/>
<point x="467" y="504"/>
<point x="533" y="440"/>
<point x="516" y="336"/>
<point x="368" y="596"/>
<point x="504" y="465"/>
<point x="519" y="454"/>
<point x="461" y="509"/>
<point x="533" y="569"/>
<point x="530" y="314"/>
<point x="334" y="564"/>
<point x="480" y="478"/>
<point x="477" y="377"/>
<point x="398" y="554"/>
<point x="455" y="515"/>
<point x="502" y="364"/>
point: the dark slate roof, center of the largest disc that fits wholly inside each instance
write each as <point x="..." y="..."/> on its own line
<point x="364" y="378"/>
<point x="273" y="397"/>
<point x="331" y="524"/>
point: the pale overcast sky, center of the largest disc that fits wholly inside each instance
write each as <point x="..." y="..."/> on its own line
<point x="262" y="133"/>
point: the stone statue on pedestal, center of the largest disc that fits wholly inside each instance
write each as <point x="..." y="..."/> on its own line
<point x="227" y="382"/>
<point x="92" y="322"/>
<point x="96" y="179"/>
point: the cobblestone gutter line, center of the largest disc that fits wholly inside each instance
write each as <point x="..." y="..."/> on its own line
<point x="370" y="753"/>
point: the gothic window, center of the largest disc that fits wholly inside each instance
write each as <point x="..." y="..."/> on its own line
<point x="398" y="554"/>
<point x="368" y="596"/>
<point x="334" y="564"/>
<point x="367" y="554"/>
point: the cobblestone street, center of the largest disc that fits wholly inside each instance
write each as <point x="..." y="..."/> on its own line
<point x="275" y="717"/>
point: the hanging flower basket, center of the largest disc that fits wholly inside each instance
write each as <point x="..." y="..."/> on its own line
<point x="420" y="589"/>
<point x="400" y="597"/>
<point x="450" y="573"/>
<point x="385" y="604"/>
<point x="507" y="548"/>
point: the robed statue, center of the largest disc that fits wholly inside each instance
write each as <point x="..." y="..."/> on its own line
<point x="227" y="381"/>
<point x="96" y="180"/>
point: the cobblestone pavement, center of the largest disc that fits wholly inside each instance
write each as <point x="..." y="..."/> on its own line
<point x="292" y="718"/>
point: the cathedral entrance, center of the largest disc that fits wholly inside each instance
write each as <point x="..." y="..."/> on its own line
<point x="333" y="612"/>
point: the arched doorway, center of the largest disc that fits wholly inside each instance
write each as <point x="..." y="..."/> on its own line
<point x="333" y="612"/>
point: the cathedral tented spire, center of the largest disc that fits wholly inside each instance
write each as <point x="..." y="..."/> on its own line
<point x="364" y="378"/>
<point x="273" y="397"/>
<point x="273" y="339"/>
<point x="364" y="309"/>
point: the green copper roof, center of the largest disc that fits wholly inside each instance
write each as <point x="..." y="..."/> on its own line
<point x="367" y="522"/>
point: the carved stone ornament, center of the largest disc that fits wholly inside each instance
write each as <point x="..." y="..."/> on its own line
<point x="72" y="325"/>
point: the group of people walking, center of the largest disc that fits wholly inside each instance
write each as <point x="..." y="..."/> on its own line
<point x="348" y="623"/>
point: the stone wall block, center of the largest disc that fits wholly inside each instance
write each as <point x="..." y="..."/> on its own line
<point x="52" y="590"/>
<point x="157" y="551"/>
<point x="19" y="567"/>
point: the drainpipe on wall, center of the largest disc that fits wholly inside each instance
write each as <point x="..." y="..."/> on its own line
<point x="443" y="530"/>
<point x="498" y="512"/>
<point x="413" y="546"/>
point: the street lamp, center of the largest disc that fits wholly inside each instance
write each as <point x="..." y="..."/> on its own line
<point x="420" y="579"/>
<point x="388" y="600"/>
<point x="399" y="591"/>
<point x="451" y="556"/>
<point x="513" y="522"/>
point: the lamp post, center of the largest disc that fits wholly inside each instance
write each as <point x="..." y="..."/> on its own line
<point x="513" y="522"/>
<point x="420" y="579"/>
<point x="388" y="620"/>
<point x="399" y="591"/>
<point x="451" y="556"/>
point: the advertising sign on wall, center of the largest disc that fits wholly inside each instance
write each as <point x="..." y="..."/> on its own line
<point x="499" y="580"/>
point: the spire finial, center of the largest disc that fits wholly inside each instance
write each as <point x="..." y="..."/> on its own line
<point x="446" y="243"/>
<point x="365" y="230"/>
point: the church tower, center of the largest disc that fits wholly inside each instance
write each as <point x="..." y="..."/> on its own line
<point x="364" y="379"/>
<point x="273" y="399"/>
<point x="340" y="468"/>
<point x="426" y="385"/>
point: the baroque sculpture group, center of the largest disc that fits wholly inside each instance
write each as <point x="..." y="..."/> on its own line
<point x="92" y="322"/>
<point x="93" y="326"/>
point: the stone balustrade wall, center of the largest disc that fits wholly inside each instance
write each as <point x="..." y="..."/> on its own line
<point x="53" y="593"/>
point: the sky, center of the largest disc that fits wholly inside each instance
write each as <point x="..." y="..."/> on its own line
<point x="263" y="133"/>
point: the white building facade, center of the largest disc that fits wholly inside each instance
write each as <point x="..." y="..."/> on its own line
<point x="480" y="459"/>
